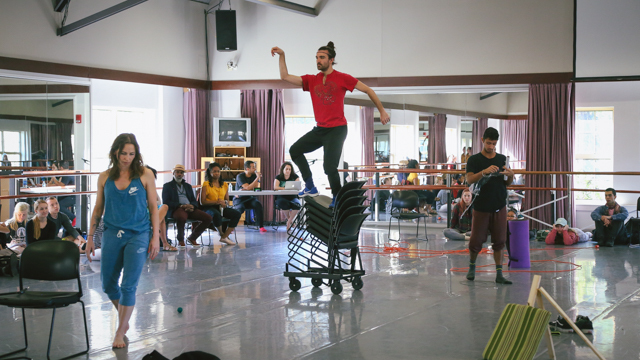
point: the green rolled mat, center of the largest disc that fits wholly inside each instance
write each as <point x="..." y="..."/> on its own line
<point x="518" y="333"/>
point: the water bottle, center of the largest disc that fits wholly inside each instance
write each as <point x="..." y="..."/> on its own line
<point x="230" y="188"/>
<point x="24" y="182"/>
<point x="507" y="166"/>
<point x="44" y="183"/>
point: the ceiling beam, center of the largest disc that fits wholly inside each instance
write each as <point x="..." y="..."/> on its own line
<point x="98" y="16"/>
<point x="290" y="6"/>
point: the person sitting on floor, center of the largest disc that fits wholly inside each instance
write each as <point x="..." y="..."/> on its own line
<point x="65" y="202"/>
<point x="562" y="234"/>
<point x="62" y="221"/>
<point x="288" y="203"/>
<point x="461" y="219"/>
<point x="39" y="228"/>
<point x="179" y="197"/>
<point x="248" y="181"/>
<point x="215" y="200"/>
<point x="609" y="220"/>
<point x="16" y="228"/>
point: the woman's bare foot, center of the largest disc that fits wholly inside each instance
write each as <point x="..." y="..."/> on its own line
<point x="119" y="341"/>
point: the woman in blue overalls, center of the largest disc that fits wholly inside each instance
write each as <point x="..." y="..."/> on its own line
<point x="125" y="192"/>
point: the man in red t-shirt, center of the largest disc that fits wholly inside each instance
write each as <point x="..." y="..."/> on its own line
<point x="327" y="89"/>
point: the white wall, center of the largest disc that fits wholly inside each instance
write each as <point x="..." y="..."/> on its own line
<point x="410" y="143"/>
<point x="225" y="103"/>
<point x="164" y="37"/>
<point x="608" y="38"/>
<point x="405" y="38"/>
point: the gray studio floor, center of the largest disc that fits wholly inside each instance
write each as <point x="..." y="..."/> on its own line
<point x="237" y="305"/>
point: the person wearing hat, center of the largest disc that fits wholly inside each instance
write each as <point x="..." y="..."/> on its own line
<point x="179" y="196"/>
<point x="562" y="234"/>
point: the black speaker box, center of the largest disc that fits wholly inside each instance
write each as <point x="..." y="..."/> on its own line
<point x="226" y="38"/>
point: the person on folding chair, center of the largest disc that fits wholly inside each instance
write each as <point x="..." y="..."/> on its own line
<point x="287" y="203"/>
<point x="215" y="202"/>
<point x="490" y="205"/>
<point x="127" y="197"/>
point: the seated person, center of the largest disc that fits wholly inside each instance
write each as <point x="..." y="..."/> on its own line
<point x="442" y="198"/>
<point x="562" y="234"/>
<point x="609" y="220"/>
<point x="178" y="195"/>
<point x="287" y="203"/>
<point x="249" y="180"/>
<point x="162" y="213"/>
<point x="39" y="228"/>
<point x="16" y="228"/>
<point x="65" y="202"/>
<point x="215" y="200"/>
<point x="461" y="219"/>
<point x="61" y="220"/>
<point x="402" y="176"/>
<point x="425" y="197"/>
<point x="5" y="160"/>
<point x="381" y="196"/>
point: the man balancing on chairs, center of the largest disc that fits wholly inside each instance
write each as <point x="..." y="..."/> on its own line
<point x="490" y="205"/>
<point x="327" y="89"/>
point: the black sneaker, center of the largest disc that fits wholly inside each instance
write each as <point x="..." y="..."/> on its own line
<point x="560" y="324"/>
<point x="584" y="324"/>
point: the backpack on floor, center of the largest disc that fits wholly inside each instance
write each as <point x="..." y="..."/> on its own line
<point x="633" y="231"/>
<point x="8" y="263"/>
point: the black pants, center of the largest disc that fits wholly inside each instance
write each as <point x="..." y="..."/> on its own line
<point x="65" y="202"/>
<point x="254" y="205"/>
<point x="331" y="140"/>
<point x="287" y="202"/>
<point x="612" y="234"/>
<point x="228" y="213"/>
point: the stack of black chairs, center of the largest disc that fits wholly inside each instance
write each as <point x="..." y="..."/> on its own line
<point x="323" y="242"/>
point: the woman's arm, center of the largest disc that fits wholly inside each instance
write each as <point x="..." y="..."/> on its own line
<point x="551" y="237"/>
<point x="149" y="182"/>
<point x="276" y="185"/>
<point x="203" y="195"/>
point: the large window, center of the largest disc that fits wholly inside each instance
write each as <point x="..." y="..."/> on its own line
<point x="593" y="151"/>
<point x="10" y="145"/>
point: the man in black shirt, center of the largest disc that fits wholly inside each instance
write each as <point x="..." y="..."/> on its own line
<point x="66" y="202"/>
<point x="248" y="181"/>
<point x="490" y="212"/>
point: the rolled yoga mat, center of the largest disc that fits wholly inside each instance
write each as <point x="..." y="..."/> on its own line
<point x="519" y="243"/>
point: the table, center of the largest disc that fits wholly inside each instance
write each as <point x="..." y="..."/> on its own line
<point x="48" y="189"/>
<point x="266" y="193"/>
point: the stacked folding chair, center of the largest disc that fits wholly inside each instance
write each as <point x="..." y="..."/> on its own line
<point x="323" y="242"/>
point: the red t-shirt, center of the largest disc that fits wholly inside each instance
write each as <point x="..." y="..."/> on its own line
<point x="328" y="98"/>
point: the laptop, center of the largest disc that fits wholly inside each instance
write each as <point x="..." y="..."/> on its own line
<point x="293" y="185"/>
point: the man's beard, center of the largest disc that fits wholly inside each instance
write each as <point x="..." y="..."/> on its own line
<point x="178" y="180"/>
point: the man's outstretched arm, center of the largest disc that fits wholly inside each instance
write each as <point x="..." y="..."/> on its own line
<point x="384" y="117"/>
<point x="284" y="73"/>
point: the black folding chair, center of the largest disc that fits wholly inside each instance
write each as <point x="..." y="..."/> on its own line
<point x="406" y="200"/>
<point x="48" y="260"/>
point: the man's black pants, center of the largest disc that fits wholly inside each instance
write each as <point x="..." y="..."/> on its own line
<point x="615" y="233"/>
<point x="256" y="206"/>
<point x="332" y="141"/>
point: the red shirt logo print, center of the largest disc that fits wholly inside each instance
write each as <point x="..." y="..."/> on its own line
<point x="325" y="92"/>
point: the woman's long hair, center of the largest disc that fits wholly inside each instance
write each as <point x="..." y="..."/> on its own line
<point x="20" y="207"/>
<point x="36" y="219"/>
<point x="207" y="174"/>
<point x="137" y="165"/>
<point x="293" y="172"/>
<point x="463" y="205"/>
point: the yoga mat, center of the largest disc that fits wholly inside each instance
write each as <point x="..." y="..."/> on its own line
<point x="519" y="243"/>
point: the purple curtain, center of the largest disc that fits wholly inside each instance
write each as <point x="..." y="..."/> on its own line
<point x="367" y="157"/>
<point x="265" y="108"/>
<point x="478" y="129"/>
<point x="437" y="136"/>
<point x="550" y="139"/>
<point x="44" y="142"/>
<point x="366" y="138"/>
<point x="514" y="140"/>
<point x="197" y="127"/>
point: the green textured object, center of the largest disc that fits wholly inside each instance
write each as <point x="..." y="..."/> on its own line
<point x="517" y="334"/>
<point x="180" y="310"/>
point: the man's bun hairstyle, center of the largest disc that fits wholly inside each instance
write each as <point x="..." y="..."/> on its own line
<point x="491" y="134"/>
<point x="331" y="49"/>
